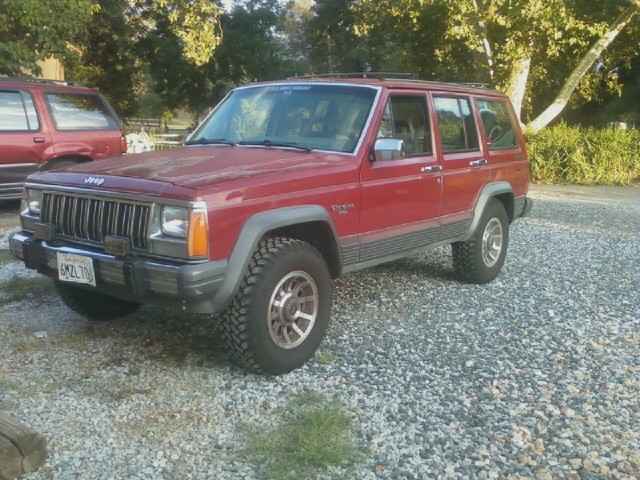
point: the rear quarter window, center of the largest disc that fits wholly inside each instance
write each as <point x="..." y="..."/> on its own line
<point x="497" y="123"/>
<point x="72" y="111"/>
<point x="17" y="112"/>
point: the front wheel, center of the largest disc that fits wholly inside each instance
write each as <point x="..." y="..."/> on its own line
<point x="480" y="259"/>
<point x="278" y="318"/>
<point x="94" y="305"/>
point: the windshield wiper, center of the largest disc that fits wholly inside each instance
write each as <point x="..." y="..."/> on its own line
<point x="210" y="141"/>
<point x="269" y="143"/>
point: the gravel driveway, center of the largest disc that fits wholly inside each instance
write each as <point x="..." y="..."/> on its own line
<point x="536" y="375"/>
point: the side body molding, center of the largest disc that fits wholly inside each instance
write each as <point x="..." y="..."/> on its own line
<point x="252" y="232"/>
<point x="488" y="192"/>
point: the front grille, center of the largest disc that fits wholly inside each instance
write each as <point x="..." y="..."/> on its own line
<point x="91" y="219"/>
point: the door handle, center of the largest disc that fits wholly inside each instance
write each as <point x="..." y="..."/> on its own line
<point x="477" y="163"/>
<point x="39" y="139"/>
<point x="431" y="169"/>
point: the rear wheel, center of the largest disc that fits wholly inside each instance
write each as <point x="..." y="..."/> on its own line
<point x="281" y="312"/>
<point x="480" y="259"/>
<point x="94" y="305"/>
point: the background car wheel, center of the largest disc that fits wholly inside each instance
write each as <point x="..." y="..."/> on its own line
<point x="94" y="305"/>
<point x="480" y="259"/>
<point x="281" y="312"/>
<point x="62" y="163"/>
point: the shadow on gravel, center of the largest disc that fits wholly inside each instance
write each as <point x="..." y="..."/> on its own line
<point x="162" y="335"/>
<point x="427" y="266"/>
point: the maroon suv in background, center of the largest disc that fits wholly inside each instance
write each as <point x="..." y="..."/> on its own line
<point x="46" y="124"/>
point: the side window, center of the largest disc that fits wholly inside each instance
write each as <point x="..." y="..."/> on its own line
<point x="72" y="111"/>
<point x="17" y="112"/>
<point x="457" y="127"/>
<point x="497" y="123"/>
<point x="405" y="118"/>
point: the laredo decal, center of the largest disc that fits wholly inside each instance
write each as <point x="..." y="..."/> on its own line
<point x="342" y="209"/>
<point x="97" y="181"/>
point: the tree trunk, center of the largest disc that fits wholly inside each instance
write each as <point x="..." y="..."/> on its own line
<point x="21" y="449"/>
<point x="517" y="83"/>
<point x="483" y="37"/>
<point x="587" y="61"/>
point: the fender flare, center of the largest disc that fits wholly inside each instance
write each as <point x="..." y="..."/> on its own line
<point x="253" y="231"/>
<point x="489" y="192"/>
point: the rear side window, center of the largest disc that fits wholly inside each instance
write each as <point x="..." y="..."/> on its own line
<point x="17" y="112"/>
<point x="405" y="118"/>
<point x="72" y="111"/>
<point x="497" y="123"/>
<point x="455" y="122"/>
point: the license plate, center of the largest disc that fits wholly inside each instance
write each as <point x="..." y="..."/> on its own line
<point x="76" y="269"/>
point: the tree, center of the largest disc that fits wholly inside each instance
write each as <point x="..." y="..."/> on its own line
<point x="584" y="64"/>
<point x="108" y="58"/>
<point x="523" y="46"/>
<point x="33" y="30"/>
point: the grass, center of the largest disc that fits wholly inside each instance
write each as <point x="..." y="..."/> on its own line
<point x="19" y="288"/>
<point x="6" y="257"/>
<point x="325" y="358"/>
<point x="315" y="436"/>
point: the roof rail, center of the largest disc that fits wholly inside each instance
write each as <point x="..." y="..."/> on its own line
<point x="376" y="75"/>
<point x="407" y="77"/>
<point x="487" y="86"/>
<point x="42" y="81"/>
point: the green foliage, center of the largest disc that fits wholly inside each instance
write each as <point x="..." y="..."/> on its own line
<point x="564" y="154"/>
<point x="109" y="60"/>
<point x="32" y="30"/>
<point x="316" y="436"/>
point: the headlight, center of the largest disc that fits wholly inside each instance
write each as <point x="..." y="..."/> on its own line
<point x="180" y="232"/>
<point x="32" y="202"/>
<point x="175" y="222"/>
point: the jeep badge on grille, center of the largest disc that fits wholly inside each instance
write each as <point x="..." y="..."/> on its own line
<point x="97" y="181"/>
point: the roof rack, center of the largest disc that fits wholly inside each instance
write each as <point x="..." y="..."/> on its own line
<point x="42" y="81"/>
<point x="407" y="77"/>
<point x="376" y="75"/>
<point x="487" y="86"/>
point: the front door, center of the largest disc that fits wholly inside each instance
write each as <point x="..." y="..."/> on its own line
<point x="400" y="198"/>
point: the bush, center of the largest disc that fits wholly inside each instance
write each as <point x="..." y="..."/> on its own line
<point x="564" y="154"/>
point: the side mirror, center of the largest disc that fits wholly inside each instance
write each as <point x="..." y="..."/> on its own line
<point x="388" y="149"/>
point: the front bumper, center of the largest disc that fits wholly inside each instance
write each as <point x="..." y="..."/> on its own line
<point x="191" y="287"/>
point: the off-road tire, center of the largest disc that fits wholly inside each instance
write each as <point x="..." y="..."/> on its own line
<point x="94" y="305"/>
<point x="285" y="280"/>
<point x="480" y="259"/>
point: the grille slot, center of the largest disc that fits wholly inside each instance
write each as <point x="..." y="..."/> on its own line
<point x="91" y="219"/>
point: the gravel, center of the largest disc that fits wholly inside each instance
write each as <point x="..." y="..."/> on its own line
<point x="536" y="375"/>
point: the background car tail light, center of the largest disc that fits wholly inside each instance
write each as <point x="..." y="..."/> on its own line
<point x="123" y="144"/>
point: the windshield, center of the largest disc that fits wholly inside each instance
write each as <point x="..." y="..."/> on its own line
<point x="307" y="116"/>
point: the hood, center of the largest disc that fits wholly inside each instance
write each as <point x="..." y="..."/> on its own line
<point x="192" y="168"/>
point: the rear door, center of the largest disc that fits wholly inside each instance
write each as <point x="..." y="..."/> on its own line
<point x="84" y="124"/>
<point x="24" y="138"/>
<point x="465" y="167"/>
<point x="400" y="198"/>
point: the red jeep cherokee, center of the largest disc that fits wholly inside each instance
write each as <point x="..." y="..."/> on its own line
<point x="283" y="187"/>
<point x="46" y="124"/>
